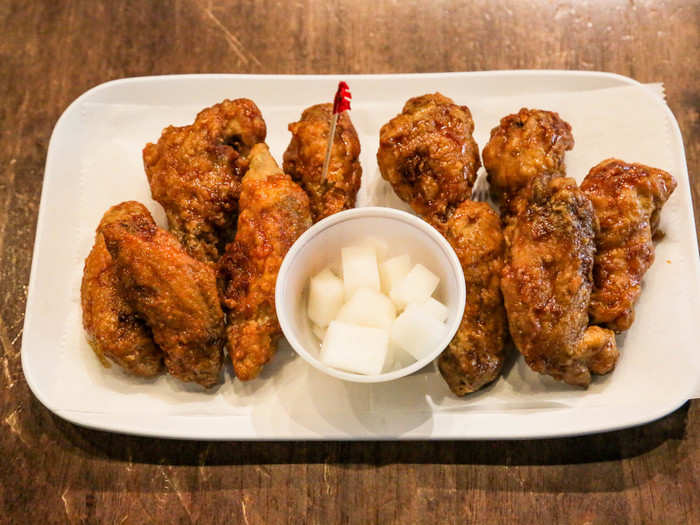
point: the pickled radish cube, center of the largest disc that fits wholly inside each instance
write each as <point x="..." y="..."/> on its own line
<point x="433" y="308"/>
<point x="359" y="269"/>
<point x="368" y="307"/>
<point x="393" y="271"/>
<point x="380" y="246"/>
<point x="398" y="358"/>
<point x="354" y="348"/>
<point x="318" y="331"/>
<point x="417" y="333"/>
<point x="326" y="295"/>
<point x="416" y="287"/>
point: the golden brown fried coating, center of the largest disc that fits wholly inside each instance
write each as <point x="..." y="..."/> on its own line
<point x="428" y="155"/>
<point x="476" y="354"/>
<point x="274" y="212"/>
<point x="547" y="281"/>
<point x="305" y="155"/>
<point x="175" y="293"/>
<point x="522" y="146"/>
<point x="627" y="199"/>
<point x="195" y="173"/>
<point x="113" y="328"/>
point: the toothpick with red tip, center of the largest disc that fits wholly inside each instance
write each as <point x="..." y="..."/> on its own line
<point x="340" y="103"/>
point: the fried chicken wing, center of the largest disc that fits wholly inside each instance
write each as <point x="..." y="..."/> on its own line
<point x="274" y="212"/>
<point x="476" y="354"/>
<point x="195" y="173"/>
<point x="547" y="281"/>
<point x="175" y="293"/>
<point x="113" y="328"/>
<point x="522" y="146"/>
<point x="627" y="199"/>
<point x="428" y="155"/>
<point x="305" y="155"/>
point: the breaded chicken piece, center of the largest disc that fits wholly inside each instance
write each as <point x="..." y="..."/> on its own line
<point x="627" y="199"/>
<point x="522" y="146"/>
<point x="476" y="354"/>
<point x="175" y="293"/>
<point x="547" y="281"/>
<point x="113" y="328"/>
<point x="274" y="212"/>
<point x="304" y="157"/>
<point x="428" y="155"/>
<point x="195" y="173"/>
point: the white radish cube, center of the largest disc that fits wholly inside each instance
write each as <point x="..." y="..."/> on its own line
<point x="326" y="294"/>
<point x="368" y="307"/>
<point x="359" y="349"/>
<point x="416" y="287"/>
<point x="393" y="271"/>
<point x="398" y="358"/>
<point x="359" y="269"/>
<point x="318" y="331"/>
<point x="433" y="308"/>
<point x="417" y="333"/>
<point x="380" y="246"/>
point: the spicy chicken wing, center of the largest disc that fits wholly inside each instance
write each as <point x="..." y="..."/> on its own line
<point x="113" y="328"/>
<point x="305" y="155"/>
<point x="547" y="281"/>
<point x="627" y="199"/>
<point x="428" y="155"/>
<point x="522" y="146"/>
<point x="175" y="293"/>
<point x="274" y="212"/>
<point x="195" y="173"/>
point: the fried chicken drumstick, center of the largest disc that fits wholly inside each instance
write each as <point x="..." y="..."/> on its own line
<point x="113" y="328"/>
<point x="547" y="282"/>
<point x="195" y="173"/>
<point x="274" y="212"/>
<point x="627" y="199"/>
<point x="175" y="293"/>
<point x="304" y="157"/>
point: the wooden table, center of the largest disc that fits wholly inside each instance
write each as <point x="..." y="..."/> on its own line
<point x="51" y="471"/>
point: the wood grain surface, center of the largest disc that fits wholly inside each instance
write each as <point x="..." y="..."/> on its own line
<point x="53" y="472"/>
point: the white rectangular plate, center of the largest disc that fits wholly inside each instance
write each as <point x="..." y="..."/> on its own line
<point x="94" y="160"/>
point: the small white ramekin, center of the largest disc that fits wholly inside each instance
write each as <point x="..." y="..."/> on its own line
<point x="320" y="246"/>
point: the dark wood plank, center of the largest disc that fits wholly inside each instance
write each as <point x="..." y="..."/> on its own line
<point x="52" y="51"/>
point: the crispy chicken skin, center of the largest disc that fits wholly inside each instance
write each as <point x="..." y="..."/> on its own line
<point x="175" y="293"/>
<point x="195" y="173"/>
<point x="522" y="146"/>
<point x="274" y="212"/>
<point x="476" y="354"/>
<point x="428" y="155"/>
<point x="305" y="155"/>
<point x="113" y="328"/>
<point x="547" y="281"/>
<point x="627" y="199"/>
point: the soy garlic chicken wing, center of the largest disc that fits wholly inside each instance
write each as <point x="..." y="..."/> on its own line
<point x="428" y="155"/>
<point x="547" y="281"/>
<point x="274" y="212"/>
<point x="175" y="293"/>
<point x="476" y="354"/>
<point x="113" y="328"/>
<point x="195" y="173"/>
<point x="305" y="155"/>
<point x="627" y="199"/>
<point x="523" y="145"/>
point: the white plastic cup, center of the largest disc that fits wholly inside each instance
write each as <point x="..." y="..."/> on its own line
<point x="320" y="246"/>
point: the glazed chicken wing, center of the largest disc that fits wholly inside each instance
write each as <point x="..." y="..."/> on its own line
<point x="476" y="354"/>
<point x="113" y="328"/>
<point x="274" y="212"/>
<point x="522" y="146"/>
<point x="428" y="155"/>
<point x="627" y="199"/>
<point x="195" y="173"/>
<point x="547" y="282"/>
<point x="175" y="293"/>
<point x="306" y="153"/>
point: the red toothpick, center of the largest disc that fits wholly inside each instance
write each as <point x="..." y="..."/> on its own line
<point x="341" y="103"/>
